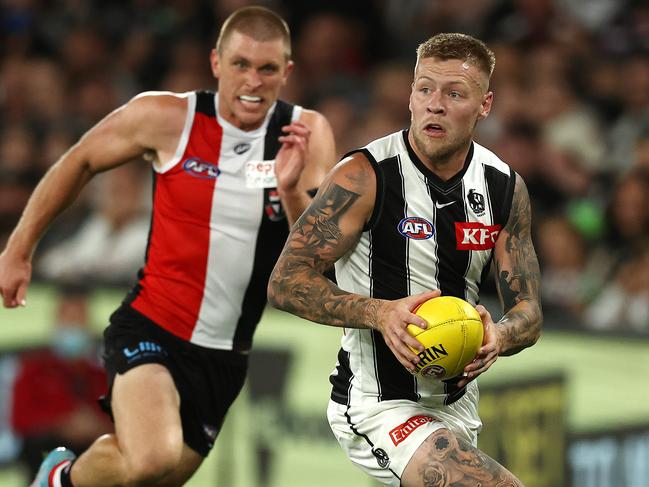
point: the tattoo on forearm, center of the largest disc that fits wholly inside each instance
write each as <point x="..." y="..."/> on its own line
<point x="454" y="462"/>
<point x="522" y="280"/>
<point x="518" y="277"/>
<point x="315" y="243"/>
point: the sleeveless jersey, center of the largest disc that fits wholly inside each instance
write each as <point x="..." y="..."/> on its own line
<point x="424" y="234"/>
<point x="213" y="241"/>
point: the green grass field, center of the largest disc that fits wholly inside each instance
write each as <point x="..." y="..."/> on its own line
<point x="599" y="372"/>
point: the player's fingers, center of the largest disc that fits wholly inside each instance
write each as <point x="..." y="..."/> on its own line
<point x="407" y="359"/>
<point x="9" y="298"/>
<point x="417" y="320"/>
<point x="484" y="313"/>
<point x="21" y="295"/>
<point x="400" y="347"/>
<point x="479" y="365"/>
<point x="464" y="381"/>
<point x="414" y="301"/>
<point x="411" y="342"/>
<point x="298" y="128"/>
<point x="417" y="299"/>
<point x="293" y="139"/>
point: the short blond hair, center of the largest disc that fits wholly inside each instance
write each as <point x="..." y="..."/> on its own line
<point x="459" y="46"/>
<point x="260" y="23"/>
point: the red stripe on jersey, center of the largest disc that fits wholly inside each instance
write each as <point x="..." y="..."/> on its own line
<point x="171" y="290"/>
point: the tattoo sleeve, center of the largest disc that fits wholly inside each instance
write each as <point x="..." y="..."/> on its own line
<point x="518" y="277"/>
<point x="297" y="284"/>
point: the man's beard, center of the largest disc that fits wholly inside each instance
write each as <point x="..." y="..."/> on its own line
<point x="440" y="155"/>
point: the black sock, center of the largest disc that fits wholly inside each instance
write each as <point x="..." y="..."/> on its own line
<point x="66" y="481"/>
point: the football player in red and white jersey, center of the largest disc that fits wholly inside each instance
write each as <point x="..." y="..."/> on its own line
<point x="233" y="169"/>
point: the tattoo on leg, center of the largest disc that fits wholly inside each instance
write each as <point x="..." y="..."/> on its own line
<point x="453" y="462"/>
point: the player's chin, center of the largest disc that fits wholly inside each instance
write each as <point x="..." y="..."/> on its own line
<point x="251" y="118"/>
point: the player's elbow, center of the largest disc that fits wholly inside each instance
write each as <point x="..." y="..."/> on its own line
<point x="274" y="290"/>
<point x="537" y="322"/>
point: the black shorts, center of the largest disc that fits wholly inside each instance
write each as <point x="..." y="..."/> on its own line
<point x="207" y="380"/>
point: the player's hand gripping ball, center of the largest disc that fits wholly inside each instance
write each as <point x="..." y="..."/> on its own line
<point x="452" y="339"/>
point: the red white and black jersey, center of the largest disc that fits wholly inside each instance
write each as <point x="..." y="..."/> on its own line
<point x="424" y="234"/>
<point x="214" y="237"/>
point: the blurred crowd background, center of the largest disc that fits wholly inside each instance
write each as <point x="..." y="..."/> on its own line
<point x="571" y="115"/>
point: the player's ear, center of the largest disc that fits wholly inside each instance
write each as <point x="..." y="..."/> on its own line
<point x="486" y="105"/>
<point x="288" y="70"/>
<point x="215" y="64"/>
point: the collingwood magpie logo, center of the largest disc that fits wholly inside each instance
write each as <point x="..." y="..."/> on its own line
<point x="381" y="457"/>
<point x="476" y="202"/>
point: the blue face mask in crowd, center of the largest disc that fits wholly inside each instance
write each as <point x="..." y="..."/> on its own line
<point x="71" y="342"/>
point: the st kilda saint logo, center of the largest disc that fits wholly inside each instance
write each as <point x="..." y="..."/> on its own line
<point x="476" y="202"/>
<point x="273" y="205"/>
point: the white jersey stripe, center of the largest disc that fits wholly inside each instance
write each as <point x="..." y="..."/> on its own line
<point x="184" y="137"/>
<point x="234" y="225"/>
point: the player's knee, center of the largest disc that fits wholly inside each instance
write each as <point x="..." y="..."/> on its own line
<point x="150" y="467"/>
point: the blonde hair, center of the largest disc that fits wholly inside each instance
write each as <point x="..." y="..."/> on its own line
<point x="459" y="46"/>
<point x="260" y="23"/>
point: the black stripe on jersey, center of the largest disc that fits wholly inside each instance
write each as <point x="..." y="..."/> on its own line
<point x="270" y="241"/>
<point x="342" y="379"/>
<point x="135" y="291"/>
<point x="388" y="269"/>
<point x="452" y="263"/>
<point x="374" y="451"/>
<point x="205" y="103"/>
<point x="500" y="189"/>
<point x="281" y="116"/>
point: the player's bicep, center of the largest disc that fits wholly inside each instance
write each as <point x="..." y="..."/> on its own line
<point x="321" y="156"/>
<point x="515" y="261"/>
<point x="333" y="223"/>
<point x="150" y="123"/>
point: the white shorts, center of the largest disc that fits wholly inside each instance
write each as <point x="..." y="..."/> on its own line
<point x="381" y="438"/>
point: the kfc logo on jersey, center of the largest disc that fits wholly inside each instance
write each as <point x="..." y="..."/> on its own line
<point x="201" y="169"/>
<point x="416" y="228"/>
<point x="476" y="235"/>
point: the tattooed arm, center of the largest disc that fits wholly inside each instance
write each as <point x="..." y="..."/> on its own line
<point x="517" y="278"/>
<point x="327" y="230"/>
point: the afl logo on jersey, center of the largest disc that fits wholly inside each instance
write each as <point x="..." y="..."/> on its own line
<point x="416" y="228"/>
<point x="201" y="169"/>
<point x="241" y="148"/>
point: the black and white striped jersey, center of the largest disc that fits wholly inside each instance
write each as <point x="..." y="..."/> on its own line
<point x="424" y="234"/>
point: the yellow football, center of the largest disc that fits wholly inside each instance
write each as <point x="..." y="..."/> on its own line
<point x="452" y="339"/>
